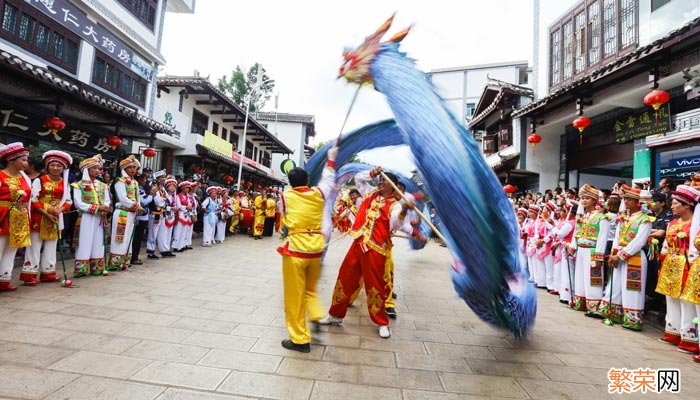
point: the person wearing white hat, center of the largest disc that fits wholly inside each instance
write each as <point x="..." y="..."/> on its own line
<point x="50" y="199"/>
<point x="564" y="263"/>
<point x="92" y="199"/>
<point x="168" y="217"/>
<point x="185" y="207"/>
<point x="15" y="196"/>
<point x="209" y="205"/>
<point x="225" y="212"/>
<point x="127" y="206"/>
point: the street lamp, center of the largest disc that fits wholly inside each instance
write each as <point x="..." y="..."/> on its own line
<point x="258" y="83"/>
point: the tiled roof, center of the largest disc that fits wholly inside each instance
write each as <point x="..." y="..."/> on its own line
<point x="83" y="92"/>
<point x="503" y="89"/>
<point x="201" y="81"/>
<point x="612" y="66"/>
<point x="285" y="117"/>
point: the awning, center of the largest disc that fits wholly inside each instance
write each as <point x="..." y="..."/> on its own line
<point x="214" y="156"/>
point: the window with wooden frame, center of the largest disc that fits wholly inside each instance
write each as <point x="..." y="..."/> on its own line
<point x="215" y="128"/>
<point x="580" y="42"/>
<point x="200" y="122"/>
<point x="555" y="54"/>
<point x="593" y="33"/>
<point x="28" y="28"/>
<point x="490" y="144"/>
<point x="628" y="23"/>
<point x="119" y="80"/>
<point x="233" y="138"/>
<point x="224" y="133"/>
<point x="609" y="28"/>
<point x="568" y="36"/>
<point x="505" y="136"/>
<point x="143" y="10"/>
<point x="249" y="149"/>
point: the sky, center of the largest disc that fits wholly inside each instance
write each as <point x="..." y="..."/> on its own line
<point x="300" y="44"/>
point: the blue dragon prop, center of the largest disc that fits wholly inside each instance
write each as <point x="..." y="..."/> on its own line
<point x="481" y="230"/>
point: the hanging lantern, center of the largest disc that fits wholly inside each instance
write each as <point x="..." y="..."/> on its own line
<point x="114" y="142"/>
<point x="581" y="123"/>
<point x="656" y="98"/>
<point x="510" y="189"/>
<point x="249" y="184"/>
<point x="55" y="125"/>
<point x="534" y="139"/>
<point x="228" y="179"/>
<point x="197" y="169"/>
<point x="149" y="152"/>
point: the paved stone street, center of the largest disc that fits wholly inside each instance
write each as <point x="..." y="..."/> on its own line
<point x="208" y="325"/>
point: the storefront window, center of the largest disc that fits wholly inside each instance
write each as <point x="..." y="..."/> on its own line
<point x="609" y="28"/>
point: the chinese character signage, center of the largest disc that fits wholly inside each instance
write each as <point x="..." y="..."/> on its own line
<point x="74" y="20"/>
<point x="31" y="126"/>
<point x="642" y="124"/>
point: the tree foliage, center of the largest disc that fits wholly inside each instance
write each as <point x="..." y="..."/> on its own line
<point x="239" y="84"/>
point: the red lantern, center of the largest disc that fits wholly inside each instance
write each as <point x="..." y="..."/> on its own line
<point x="114" y="142"/>
<point x="258" y="187"/>
<point x="534" y="139"/>
<point x="581" y="123"/>
<point x="656" y="98"/>
<point x="510" y="188"/>
<point x="197" y="169"/>
<point x="249" y="184"/>
<point x="228" y="179"/>
<point x="54" y="124"/>
<point x="149" y="152"/>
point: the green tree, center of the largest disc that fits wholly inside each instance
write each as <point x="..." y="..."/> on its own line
<point x="240" y="83"/>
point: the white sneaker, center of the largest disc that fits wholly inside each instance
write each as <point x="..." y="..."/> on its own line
<point x="384" y="332"/>
<point x="330" y="320"/>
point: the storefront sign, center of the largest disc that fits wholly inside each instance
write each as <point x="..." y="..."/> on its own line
<point x="71" y="18"/>
<point x="31" y="126"/>
<point x="685" y="162"/>
<point x="642" y="124"/>
<point x="677" y="173"/>
<point x="217" y="144"/>
<point x="247" y="161"/>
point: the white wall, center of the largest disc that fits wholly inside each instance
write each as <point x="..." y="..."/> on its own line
<point x="292" y="135"/>
<point x="671" y="16"/>
<point x="544" y="160"/>
<point x="450" y="85"/>
<point x="599" y="181"/>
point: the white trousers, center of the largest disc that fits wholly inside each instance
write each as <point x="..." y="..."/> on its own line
<point x="523" y="261"/>
<point x="208" y="232"/>
<point x="679" y="319"/>
<point x="220" y="231"/>
<point x="153" y="228"/>
<point x="549" y="272"/>
<point x="583" y="287"/>
<point x="541" y="274"/>
<point x="532" y="267"/>
<point x="566" y="266"/>
<point x="123" y="247"/>
<point x="165" y="236"/>
<point x="90" y="239"/>
<point x="36" y="261"/>
<point x="7" y="259"/>
<point x="556" y="275"/>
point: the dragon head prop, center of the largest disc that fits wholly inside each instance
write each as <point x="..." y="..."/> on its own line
<point x="356" y="65"/>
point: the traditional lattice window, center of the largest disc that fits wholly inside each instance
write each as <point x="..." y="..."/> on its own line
<point x="593" y="33"/>
<point x="555" y="57"/>
<point x="568" y="34"/>
<point x="580" y="42"/>
<point x="609" y="28"/>
<point x="628" y="23"/>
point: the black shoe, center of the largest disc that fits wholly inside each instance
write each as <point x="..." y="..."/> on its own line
<point x="189" y="248"/>
<point x="391" y="312"/>
<point x="393" y="295"/>
<point x="153" y="257"/>
<point x="168" y="254"/>
<point x="304" y="348"/>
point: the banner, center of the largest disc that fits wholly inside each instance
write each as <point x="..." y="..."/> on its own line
<point x="642" y="124"/>
<point x="217" y="144"/>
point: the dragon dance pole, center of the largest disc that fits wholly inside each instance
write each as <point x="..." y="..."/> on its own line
<point x="347" y="115"/>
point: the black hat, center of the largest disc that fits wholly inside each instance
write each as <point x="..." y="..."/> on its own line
<point x="657" y="195"/>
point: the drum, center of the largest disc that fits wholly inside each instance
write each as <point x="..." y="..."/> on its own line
<point x="248" y="217"/>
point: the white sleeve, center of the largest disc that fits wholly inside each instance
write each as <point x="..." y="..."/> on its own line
<point x="635" y="246"/>
<point x="564" y="230"/>
<point x="327" y="183"/>
<point x="396" y="224"/>
<point x="122" y="198"/>
<point x="158" y="199"/>
<point x="108" y="196"/>
<point x="602" y="242"/>
<point x="78" y="201"/>
<point x="362" y="182"/>
<point x="36" y="189"/>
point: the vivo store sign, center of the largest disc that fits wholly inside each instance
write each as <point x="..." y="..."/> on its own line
<point x="685" y="162"/>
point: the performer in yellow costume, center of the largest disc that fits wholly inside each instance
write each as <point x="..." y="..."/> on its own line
<point x="301" y="208"/>
<point x="259" y="222"/>
<point x="236" y="218"/>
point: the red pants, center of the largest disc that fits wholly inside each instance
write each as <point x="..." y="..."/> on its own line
<point x="365" y="263"/>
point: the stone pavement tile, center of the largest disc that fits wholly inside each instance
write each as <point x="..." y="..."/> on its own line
<point x="591" y="374"/>
<point x="95" y="388"/>
<point x="240" y="308"/>
<point x="95" y="325"/>
<point x="151" y="332"/>
<point x="400" y="378"/>
<point x="265" y="332"/>
<point x="506" y="368"/>
<point x="177" y="301"/>
<point x="220" y="341"/>
<point x="138" y="317"/>
<point x="208" y="296"/>
<point x="31" y="334"/>
<point x="482" y="385"/>
<point x="399" y="322"/>
<point x="645" y="396"/>
<point x="91" y="311"/>
<point x="336" y="339"/>
<point x="274" y="347"/>
<point x="548" y="390"/>
<point x="181" y="394"/>
<point x="31" y="383"/>
<point x="240" y="361"/>
<point x="479" y="340"/>
<point x="399" y="346"/>
<point x="432" y="363"/>
<point x="424" y="336"/>
<point x="172" y="293"/>
<point x="33" y="318"/>
<point x="357" y="356"/>
<point x="139" y="306"/>
<point x="101" y="364"/>
<point x="191" y="376"/>
<point x="459" y="350"/>
<point x="267" y="386"/>
<point x="206" y="325"/>
<point x="30" y="354"/>
<point x="359" y="330"/>
<point x="96" y="342"/>
<point x="319" y="370"/>
<point x="35" y="305"/>
<point x="423" y="395"/>
<point x="442" y="327"/>
<point x="254" y="319"/>
<point x="525" y="356"/>
<point x="194" y="312"/>
<point x="335" y="390"/>
<point x="163" y="351"/>
<point x="588" y="360"/>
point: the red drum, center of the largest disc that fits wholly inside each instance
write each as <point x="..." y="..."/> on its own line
<point x="248" y="217"/>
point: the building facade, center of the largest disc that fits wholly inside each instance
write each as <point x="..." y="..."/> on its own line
<point x="602" y="58"/>
<point x="295" y="131"/>
<point x="90" y="63"/>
